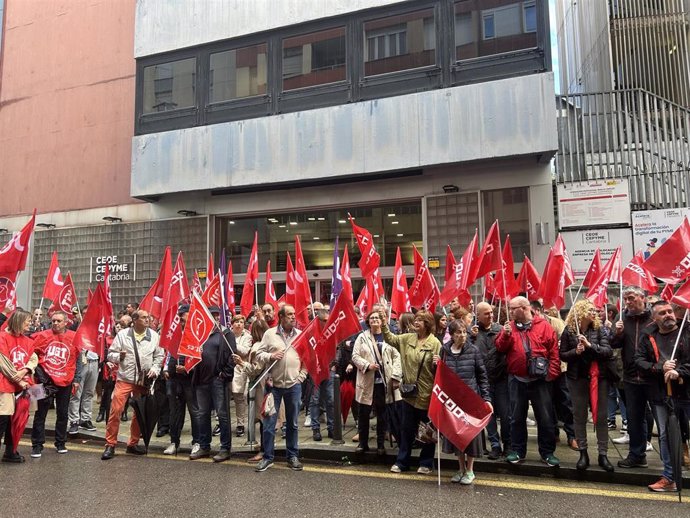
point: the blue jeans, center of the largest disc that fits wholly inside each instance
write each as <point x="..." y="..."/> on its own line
<point x="636" y="396"/>
<point x="615" y="402"/>
<point x="208" y="396"/>
<point x="411" y="417"/>
<point x="181" y="394"/>
<point x="323" y="393"/>
<point x="501" y="402"/>
<point x="539" y="393"/>
<point x="661" y="417"/>
<point x="292" y="397"/>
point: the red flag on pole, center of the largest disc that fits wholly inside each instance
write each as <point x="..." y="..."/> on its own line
<point x="91" y="333"/>
<point x="370" y="259"/>
<point x="153" y="301"/>
<point x="196" y="283"/>
<point x="342" y="323"/>
<point x="247" y="300"/>
<point x="635" y="274"/>
<point x="289" y="283"/>
<point x="450" y="264"/>
<point x="594" y="269"/>
<point x="458" y="412"/>
<point x="490" y="258"/>
<point x="423" y="292"/>
<point x="211" y="295"/>
<point x="671" y="262"/>
<point x="458" y="285"/>
<point x="210" y="269"/>
<point x="13" y="255"/>
<point x="529" y="280"/>
<point x="306" y="343"/>
<point x="667" y="293"/>
<point x="171" y="331"/>
<point x="682" y="296"/>
<point x="302" y="289"/>
<point x="345" y="276"/>
<point x="270" y="292"/>
<point x="66" y="299"/>
<point x="179" y="286"/>
<point x="597" y="293"/>
<point x="200" y="325"/>
<point x="89" y="296"/>
<point x="552" y="286"/>
<point x="54" y="282"/>
<point x="506" y="286"/>
<point x="363" y="299"/>
<point x="400" y="299"/>
<point x="230" y="294"/>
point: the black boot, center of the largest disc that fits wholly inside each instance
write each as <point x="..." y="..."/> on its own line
<point x="101" y="415"/>
<point x="583" y="462"/>
<point x="605" y="464"/>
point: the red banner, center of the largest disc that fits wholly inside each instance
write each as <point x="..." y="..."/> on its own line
<point x="66" y="298"/>
<point x="270" y="291"/>
<point x="247" y="300"/>
<point x="178" y="289"/>
<point x="594" y="269"/>
<point x="370" y="258"/>
<point x="92" y="331"/>
<point x="230" y="293"/>
<point x="529" y="280"/>
<point x="200" y="325"/>
<point x="490" y="258"/>
<point x="211" y="295"/>
<point x="424" y="292"/>
<point x="400" y="299"/>
<point x="13" y="255"/>
<point x="54" y="282"/>
<point x="302" y="289"/>
<point x="597" y="293"/>
<point x="153" y="301"/>
<point x="458" y="285"/>
<point x="635" y="274"/>
<point x="345" y="276"/>
<point x="342" y="323"/>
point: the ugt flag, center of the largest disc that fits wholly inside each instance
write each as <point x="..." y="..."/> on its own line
<point x="456" y="410"/>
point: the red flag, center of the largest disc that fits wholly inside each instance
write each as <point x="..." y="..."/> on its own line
<point x="682" y="296"/>
<point x="345" y="276"/>
<point x="211" y="295"/>
<point x="506" y="286"/>
<point x="89" y="296"/>
<point x="200" y="325"/>
<point x="153" y="301"/>
<point x="423" y="292"/>
<point x="363" y="299"/>
<point x="13" y="255"/>
<point x="667" y="293"/>
<point x="108" y="295"/>
<point x="552" y="286"/>
<point x="247" y="300"/>
<point x="54" y="282"/>
<point x="458" y="412"/>
<point x="370" y="259"/>
<point x="671" y="262"/>
<point x="450" y="264"/>
<point x="289" y="283"/>
<point x="92" y="331"/>
<point x="230" y="294"/>
<point x="636" y="274"/>
<point x="490" y="287"/>
<point x="195" y="286"/>
<point x="594" y="269"/>
<point x="171" y="330"/>
<point x="529" y="280"/>
<point x="178" y="289"/>
<point x="490" y="258"/>
<point x="458" y="285"/>
<point x="302" y="289"/>
<point x="567" y="266"/>
<point x="66" y="299"/>
<point x="400" y="299"/>
<point x="270" y="292"/>
<point x="342" y="323"/>
<point x="306" y="343"/>
<point x="210" y="271"/>
<point x="597" y="293"/>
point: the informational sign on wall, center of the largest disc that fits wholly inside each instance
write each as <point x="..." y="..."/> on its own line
<point x="652" y="227"/>
<point x="581" y="245"/>
<point x="594" y="203"/>
<point x="122" y="268"/>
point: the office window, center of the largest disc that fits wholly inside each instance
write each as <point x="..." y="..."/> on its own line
<point x="238" y="73"/>
<point x="314" y="59"/>
<point x="399" y="42"/>
<point x="169" y="86"/>
<point x="488" y="27"/>
<point x="530" y="16"/>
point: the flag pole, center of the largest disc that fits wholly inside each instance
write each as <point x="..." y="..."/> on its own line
<point x="438" y="451"/>
<point x="266" y="371"/>
<point x="620" y="300"/>
<point x="40" y="306"/>
<point x="680" y="330"/>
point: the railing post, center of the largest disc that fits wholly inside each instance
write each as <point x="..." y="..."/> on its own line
<point x="337" y="413"/>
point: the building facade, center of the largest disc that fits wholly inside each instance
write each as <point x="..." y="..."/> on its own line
<point x="424" y="120"/>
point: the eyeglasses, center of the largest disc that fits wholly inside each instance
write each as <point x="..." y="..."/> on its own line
<point x="57" y="321"/>
<point x="516" y="307"/>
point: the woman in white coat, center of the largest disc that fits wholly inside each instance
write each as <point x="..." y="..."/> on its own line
<point x="379" y="373"/>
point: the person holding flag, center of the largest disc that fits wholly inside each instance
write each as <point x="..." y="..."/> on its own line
<point x="243" y="344"/>
<point x="465" y="360"/>
<point x="585" y="348"/>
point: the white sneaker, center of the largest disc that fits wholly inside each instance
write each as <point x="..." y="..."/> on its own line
<point x="170" y="450"/>
<point x="649" y="447"/>
<point x="423" y="470"/>
<point x="307" y="421"/>
<point x="531" y="422"/>
<point x="395" y="469"/>
<point x="467" y="478"/>
<point x="623" y="439"/>
<point x="195" y="448"/>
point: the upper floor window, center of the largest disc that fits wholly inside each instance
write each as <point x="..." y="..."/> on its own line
<point x="169" y="86"/>
<point x="314" y="59"/>
<point x="529" y="10"/>
<point x="399" y="42"/>
<point x="238" y="73"/>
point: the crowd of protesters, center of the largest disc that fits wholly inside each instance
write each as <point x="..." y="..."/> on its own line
<point x="571" y="372"/>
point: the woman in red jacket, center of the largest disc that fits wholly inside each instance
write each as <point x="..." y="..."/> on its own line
<point x="17" y="363"/>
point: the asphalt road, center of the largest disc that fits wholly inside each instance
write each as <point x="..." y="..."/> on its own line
<point x="80" y="484"/>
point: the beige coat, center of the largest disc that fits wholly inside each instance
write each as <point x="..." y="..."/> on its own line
<point x="287" y="371"/>
<point x="239" y="380"/>
<point x="364" y="353"/>
<point x="8" y="370"/>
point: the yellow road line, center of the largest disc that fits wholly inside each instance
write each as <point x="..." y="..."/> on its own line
<point x="487" y="479"/>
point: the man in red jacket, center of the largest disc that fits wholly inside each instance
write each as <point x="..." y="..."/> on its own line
<point x="59" y="359"/>
<point x="531" y="349"/>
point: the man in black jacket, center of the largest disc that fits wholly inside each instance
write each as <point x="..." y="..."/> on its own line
<point x="210" y="379"/>
<point x="636" y="316"/>
<point x="653" y="359"/>
<point x="483" y="335"/>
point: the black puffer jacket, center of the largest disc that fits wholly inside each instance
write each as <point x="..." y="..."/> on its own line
<point x="216" y="359"/>
<point x="628" y="341"/>
<point x="495" y="362"/>
<point x="469" y="365"/>
<point x="579" y="364"/>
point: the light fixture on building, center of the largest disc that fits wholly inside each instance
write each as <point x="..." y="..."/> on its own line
<point x="450" y="188"/>
<point x="293" y="223"/>
<point x="394" y="222"/>
<point x="342" y="221"/>
<point x="316" y="238"/>
<point x="112" y="219"/>
<point x="399" y="235"/>
<point x="45" y="225"/>
<point x="272" y="220"/>
<point x="311" y="219"/>
<point x="3" y="230"/>
<point x="231" y="222"/>
<point x="185" y="212"/>
<point x="281" y="226"/>
<point x="322" y="219"/>
<point x="391" y="215"/>
<point x="376" y="235"/>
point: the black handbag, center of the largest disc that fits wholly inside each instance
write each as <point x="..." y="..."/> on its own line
<point x="537" y="366"/>
<point x="410" y="390"/>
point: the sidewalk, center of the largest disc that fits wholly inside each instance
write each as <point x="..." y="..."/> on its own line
<point x="325" y="450"/>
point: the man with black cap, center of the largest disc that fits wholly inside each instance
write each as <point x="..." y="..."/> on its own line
<point x="210" y="379"/>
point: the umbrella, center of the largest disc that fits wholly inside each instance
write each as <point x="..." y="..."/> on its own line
<point x="393" y="420"/>
<point x="594" y="389"/>
<point x="147" y="409"/>
<point x="675" y="442"/>
<point x="347" y="394"/>
<point x="20" y="418"/>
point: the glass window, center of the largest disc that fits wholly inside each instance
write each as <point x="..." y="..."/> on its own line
<point x="237" y="73"/>
<point x="511" y="208"/>
<point x="399" y="42"/>
<point x="390" y="225"/>
<point x="314" y="59"/>
<point x="170" y="86"/>
<point x="507" y="26"/>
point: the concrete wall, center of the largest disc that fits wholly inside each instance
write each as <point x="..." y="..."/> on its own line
<point x="66" y="104"/>
<point x="167" y="25"/>
<point x="504" y="118"/>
